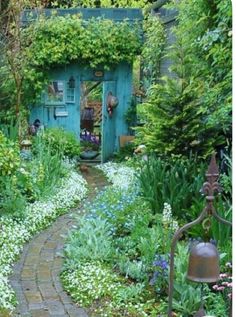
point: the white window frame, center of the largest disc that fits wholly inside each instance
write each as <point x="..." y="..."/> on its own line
<point x="67" y="100"/>
<point x="47" y="101"/>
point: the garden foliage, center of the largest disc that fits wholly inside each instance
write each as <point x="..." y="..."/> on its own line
<point x="61" y="40"/>
<point x="9" y="156"/>
<point x="15" y="233"/>
<point x="191" y="111"/>
<point x="177" y="182"/>
<point x="13" y="61"/>
<point x="103" y="238"/>
<point x="11" y="198"/>
<point x="152" y="50"/>
<point x="135" y="244"/>
<point x="61" y="141"/>
<point x="118" y="255"/>
<point x="96" y="3"/>
<point x="92" y="242"/>
<point x="32" y="194"/>
<point x="23" y="181"/>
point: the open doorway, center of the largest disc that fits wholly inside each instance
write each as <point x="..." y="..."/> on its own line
<point x="91" y="93"/>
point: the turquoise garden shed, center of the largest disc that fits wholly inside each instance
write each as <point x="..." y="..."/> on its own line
<point x="88" y="101"/>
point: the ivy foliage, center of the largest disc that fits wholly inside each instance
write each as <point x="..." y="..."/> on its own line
<point x="62" y="40"/>
<point x="97" y="3"/>
<point x="191" y="111"/>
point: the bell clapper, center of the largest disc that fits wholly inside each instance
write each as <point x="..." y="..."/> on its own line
<point x="206" y="224"/>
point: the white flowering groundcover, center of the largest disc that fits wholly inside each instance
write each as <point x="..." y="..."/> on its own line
<point x="119" y="175"/>
<point x="15" y="233"/>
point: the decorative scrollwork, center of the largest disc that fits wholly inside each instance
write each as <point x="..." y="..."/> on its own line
<point x="211" y="186"/>
<point x="206" y="189"/>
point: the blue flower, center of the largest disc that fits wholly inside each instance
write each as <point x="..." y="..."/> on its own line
<point x="161" y="262"/>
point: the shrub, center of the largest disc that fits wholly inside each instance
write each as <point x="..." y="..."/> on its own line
<point x="190" y="111"/>
<point x="177" y="183"/>
<point x="46" y="169"/>
<point x="12" y="201"/>
<point x="61" y="141"/>
<point x="9" y="156"/>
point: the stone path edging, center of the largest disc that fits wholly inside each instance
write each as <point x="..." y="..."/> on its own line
<point x="36" y="278"/>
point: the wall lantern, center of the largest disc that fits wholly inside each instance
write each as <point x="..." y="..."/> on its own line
<point x="204" y="258"/>
<point x="112" y="103"/>
<point x="71" y="82"/>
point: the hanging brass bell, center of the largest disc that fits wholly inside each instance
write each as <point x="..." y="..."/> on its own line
<point x="204" y="263"/>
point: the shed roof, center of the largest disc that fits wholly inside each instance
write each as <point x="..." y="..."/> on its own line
<point x="115" y="14"/>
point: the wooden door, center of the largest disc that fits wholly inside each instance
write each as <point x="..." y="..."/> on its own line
<point x="108" y="122"/>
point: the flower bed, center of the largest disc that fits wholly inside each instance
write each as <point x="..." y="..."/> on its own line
<point x="14" y="233"/>
<point x="100" y="273"/>
<point x="117" y="262"/>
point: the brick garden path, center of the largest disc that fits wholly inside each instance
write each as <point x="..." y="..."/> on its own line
<point x="36" y="278"/>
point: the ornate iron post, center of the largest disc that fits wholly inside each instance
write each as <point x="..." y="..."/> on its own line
<point x="209" y="189"/>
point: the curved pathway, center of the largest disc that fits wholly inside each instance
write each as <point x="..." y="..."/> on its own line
<point x="36" y="278"/>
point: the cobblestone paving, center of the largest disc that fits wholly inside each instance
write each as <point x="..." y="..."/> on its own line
<point x="36" y="278"/>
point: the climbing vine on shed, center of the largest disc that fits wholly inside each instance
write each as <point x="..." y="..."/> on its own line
<point x="62" y="40"/>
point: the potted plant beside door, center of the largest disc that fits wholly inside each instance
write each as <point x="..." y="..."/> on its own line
<point x="90" y="146"/>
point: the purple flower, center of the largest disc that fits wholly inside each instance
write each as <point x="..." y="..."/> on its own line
<point x="161" y="262"/>
<point x="160" y="271"/>
<point x="90" y="138"/>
